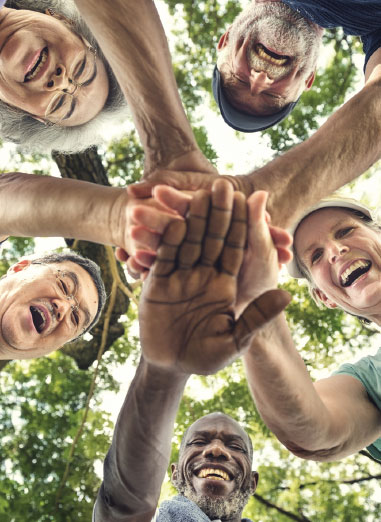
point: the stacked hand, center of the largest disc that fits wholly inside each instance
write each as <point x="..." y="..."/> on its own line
<point x="187" y="308"/>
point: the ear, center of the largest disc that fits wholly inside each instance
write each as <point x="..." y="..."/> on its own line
<point x="174" y="471"/>
<point x="223" y="41"/>
<point x="254" y="480"/>
<point x="309" y="81"/>
<point x="323" y="298"/>
<point x="21" y="265"/>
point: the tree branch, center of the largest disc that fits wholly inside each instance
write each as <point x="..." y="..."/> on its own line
<point x="292" y="516"/>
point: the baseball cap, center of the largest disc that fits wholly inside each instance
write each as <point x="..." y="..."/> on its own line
<point x="342" y="202"/>
<point x="242" y="121"/>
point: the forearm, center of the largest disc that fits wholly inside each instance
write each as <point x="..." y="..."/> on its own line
<point x="285" y="395"/>
<point x="133" y="40"/>
<point x="342" y="149"/>
<point x="139" y="455"/>
<point x="46" y="206"/>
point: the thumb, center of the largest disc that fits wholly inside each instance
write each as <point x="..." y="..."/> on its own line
<point x="257" y="314"/>
<point x="172" y="198"/>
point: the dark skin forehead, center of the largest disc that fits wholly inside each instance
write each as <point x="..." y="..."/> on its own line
<point x="220" y="425"/>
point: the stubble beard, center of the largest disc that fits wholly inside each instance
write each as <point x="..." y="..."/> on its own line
<point x="217" y="508"/>
<point x="278" y="27"/>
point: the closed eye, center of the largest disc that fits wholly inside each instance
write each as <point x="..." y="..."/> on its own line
<point x="343" y="232"/>
<point x="63" y="287"/>
<point x="75" y="317"/>
<point x="316" y="255"/>
<point x="236" y="447"/>
<point x="196" y="442"/>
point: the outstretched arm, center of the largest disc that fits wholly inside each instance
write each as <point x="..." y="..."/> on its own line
<point x="136" y="463"/>
<point x="327" y="420"/>
<point x="47" y="206"/>
<point x="186" y="325"/>
<point x="342" y="149"/>
<point x="131" y="35"/>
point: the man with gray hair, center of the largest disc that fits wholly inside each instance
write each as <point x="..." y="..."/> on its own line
<point x="46" y="302"/>
<point x="267" y="57"/>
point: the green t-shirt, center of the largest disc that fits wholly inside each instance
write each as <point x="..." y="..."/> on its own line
<point x="368" y="371"/>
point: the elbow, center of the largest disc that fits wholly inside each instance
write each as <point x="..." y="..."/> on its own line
<point x="316" y="454"/>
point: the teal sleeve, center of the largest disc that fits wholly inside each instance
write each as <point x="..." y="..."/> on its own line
<point x="368" y="371"/>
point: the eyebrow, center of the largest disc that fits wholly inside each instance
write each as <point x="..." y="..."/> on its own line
<point x="228" y="437"/>
<point x="73" y="276"/>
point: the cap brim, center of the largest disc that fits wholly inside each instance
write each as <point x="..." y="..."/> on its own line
<point x="242" y="121"/>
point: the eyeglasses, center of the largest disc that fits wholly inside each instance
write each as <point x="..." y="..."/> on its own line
<point x="62" y="284"/>
<point x="82" y="72"/>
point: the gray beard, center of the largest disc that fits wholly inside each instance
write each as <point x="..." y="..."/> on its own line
<point x="217" y="508"/>
<point x="285" y="30"/>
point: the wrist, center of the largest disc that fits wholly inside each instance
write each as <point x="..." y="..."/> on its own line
<point x="163" y="379"/>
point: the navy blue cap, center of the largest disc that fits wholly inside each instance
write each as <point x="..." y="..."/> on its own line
<point x="241" y="121"/>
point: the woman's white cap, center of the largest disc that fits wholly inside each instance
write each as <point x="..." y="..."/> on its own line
<point x="342" y="202"/>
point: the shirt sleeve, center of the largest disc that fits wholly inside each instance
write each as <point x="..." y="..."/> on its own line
<point x="368" y="371"/>
<point x="371" y="42"/>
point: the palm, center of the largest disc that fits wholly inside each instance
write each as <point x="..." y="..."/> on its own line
<point x="186" y="309"/>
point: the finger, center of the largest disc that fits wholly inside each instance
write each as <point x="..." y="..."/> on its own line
<point x="172" y="198"/>
<point x="190" y="250"/>
<point x="284" y="255"/>
<point x="167" y="253"/>
<point x="121" y="254"/>
<point x="257" y="207"/>
<point x="144" y="239"/>
<point x="257" y="314"/>
<point x="218" y="222"/>
<point x="233" y="250"/>
<point x="280" y="236"/>
<point x="152" y="218"/>
<point x="140" y="190"/>
<point x="134" y="268"/>
<point x="145" y="258"/>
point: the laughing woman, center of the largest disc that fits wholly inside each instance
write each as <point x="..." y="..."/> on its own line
<point x="337" y="247"/>
<point x="56" y="89"/>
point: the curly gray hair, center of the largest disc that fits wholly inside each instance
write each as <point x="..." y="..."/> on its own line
<point x="21" y="128"/>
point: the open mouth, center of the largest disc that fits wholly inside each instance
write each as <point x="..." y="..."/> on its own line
<point x="270" y="56"/>
<point x="213" y="474"/>
<point x="39" y="319"/>
<point x="37" y="66"/>
<point x="354" y="271"/>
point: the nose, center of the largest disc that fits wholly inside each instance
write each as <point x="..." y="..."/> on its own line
<point x="60" y="81"/>
<point x="61" y="308"/>
<point x="259" y="81"/>
<point x="216" y="449"/>
<point x="335" y="251"/>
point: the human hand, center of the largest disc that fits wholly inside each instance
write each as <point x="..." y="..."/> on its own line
<point x="186" y="310"/>
<point x="137" y="225"/>
<point x="267" y="247"/>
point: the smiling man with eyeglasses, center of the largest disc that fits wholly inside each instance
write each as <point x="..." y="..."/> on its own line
<point x="47" y="302"/>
